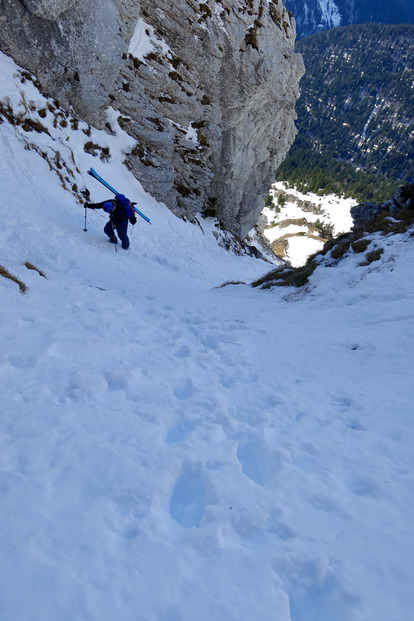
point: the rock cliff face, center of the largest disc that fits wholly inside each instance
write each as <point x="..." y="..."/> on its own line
<point x="365" y="213"/>
<point x="207" y="89"/>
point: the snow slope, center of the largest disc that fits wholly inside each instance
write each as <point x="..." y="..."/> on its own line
<point x="173" y="451"/>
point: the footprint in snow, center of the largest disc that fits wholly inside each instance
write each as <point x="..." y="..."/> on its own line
<point x="180" y="428"/>
<point x="209" y="340"/>
<point x="182" y="352"/>
<point x="21" y="362"/>
<point x="342" y="402"/>
<point x="259" y="462"/>
<point x="82" y="384"/>
<point x="125" y="514"/>
<point x="194" y="319"/>
<point x="316" y="591"/>
<point x="189" y="495"/>
<point x="184" y="389"/>
<point x="365" y="485"/>
<point x="355" y="425"/>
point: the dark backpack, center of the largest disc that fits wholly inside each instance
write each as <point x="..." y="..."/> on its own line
<point x="125" y="204"/>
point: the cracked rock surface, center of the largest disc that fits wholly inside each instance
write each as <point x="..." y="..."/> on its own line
<point x="206" y="89"/>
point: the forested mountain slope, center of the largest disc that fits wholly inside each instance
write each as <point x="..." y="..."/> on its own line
<point x="355" y="112"/>
<point x="316" y="15"/>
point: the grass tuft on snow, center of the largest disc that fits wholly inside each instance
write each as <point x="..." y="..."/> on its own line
<point x="6" y="274"/>
<point x="32" y="267"/>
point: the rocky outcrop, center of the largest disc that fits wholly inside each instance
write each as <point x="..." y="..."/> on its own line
<point x="365" y="213"/>
<point x="372" y="222"/>
<point x="207" y="89"/>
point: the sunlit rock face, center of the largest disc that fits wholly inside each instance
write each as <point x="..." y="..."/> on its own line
<point x="206" y="89"/>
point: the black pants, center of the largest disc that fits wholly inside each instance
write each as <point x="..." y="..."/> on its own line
<point x="121" y="229"/>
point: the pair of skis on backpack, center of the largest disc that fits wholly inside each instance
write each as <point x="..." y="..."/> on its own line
<point x="95" y="175"/>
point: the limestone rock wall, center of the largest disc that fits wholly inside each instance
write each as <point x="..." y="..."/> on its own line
<point x="207" y="89"/>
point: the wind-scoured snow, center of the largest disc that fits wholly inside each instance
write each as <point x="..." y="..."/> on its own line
<point x="171" y="450"/>
<point x="144" y="41"/>
<point x="330" y="13"/>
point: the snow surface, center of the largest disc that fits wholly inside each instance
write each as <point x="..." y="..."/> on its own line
<point x="173" y="451"/>
<point x="276" y="232"/>
<point x="144" y="41"/>
<point x="331" y="15"/>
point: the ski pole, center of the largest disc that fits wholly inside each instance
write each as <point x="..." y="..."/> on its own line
<point x="85" y="229"/>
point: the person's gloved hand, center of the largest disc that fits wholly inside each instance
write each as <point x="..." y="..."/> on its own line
<point x="133" y="220"/>
<point x="86" y="205"/>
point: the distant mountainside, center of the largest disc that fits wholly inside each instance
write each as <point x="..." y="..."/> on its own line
<point x="315" y="15"/>
<point x="355" y="112"/>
